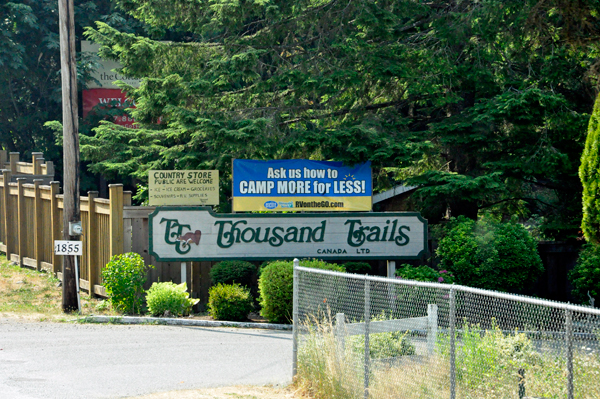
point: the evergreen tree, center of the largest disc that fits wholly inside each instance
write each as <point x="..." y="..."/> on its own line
<point x="463" y="98"/>
<point x="589" y="172"/>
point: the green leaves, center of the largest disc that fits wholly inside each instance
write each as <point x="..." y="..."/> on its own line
<point x="124" y="277"/>
<point x="585" y="276"/>
<point x="462" y="98"/>
<point x="169" y="299"/>
<point x="490" y="255"/>
<point x="589" y="173"/>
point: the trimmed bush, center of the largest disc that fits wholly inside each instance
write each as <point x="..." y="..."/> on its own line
<point x="229" y="302"/>
<point x="424" y="273"/>
<point x="276" y="287"/>
<point x="169" y="297"/>
<point x="585" y="276"/>
<point x="357" y="267"/>
<point x="232" y="271"/>
<point x="124" y="278"/>
<point x="490" y="255"/>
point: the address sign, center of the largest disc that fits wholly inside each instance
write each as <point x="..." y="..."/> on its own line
<point x="196" y="233"/>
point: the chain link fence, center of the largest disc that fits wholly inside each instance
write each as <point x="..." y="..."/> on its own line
<point x="360" y="336"/>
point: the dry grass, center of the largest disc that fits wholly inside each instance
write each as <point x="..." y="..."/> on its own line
<point x="29" y="294"/>
<point x="487" y="368"/>
<point x="236" y="392"/>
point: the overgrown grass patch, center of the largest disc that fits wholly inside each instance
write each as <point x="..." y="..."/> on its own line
<point x="488" y="364"/>
<point x="28" y="293"/>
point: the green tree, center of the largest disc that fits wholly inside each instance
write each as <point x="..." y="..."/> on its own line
<point x="30" y="83"/>
<point x="490" y="255"/>
<point x="465" y="99"/>
<point x="589" y="173"/>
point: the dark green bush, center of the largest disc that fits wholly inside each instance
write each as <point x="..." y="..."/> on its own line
<point x="490" y="255"/>
<point x="586" y="274"/>
<point x="357" y="267"/>
<point x="276" y="287"/>
<point x="233" y="271"/>
<point x="424" y="273"/>
<point x="229" y="302"/>
<point x="123" y="278"/>
<point x="168" y="298"/>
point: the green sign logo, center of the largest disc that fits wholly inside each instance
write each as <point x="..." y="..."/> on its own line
<point x="174" y="236"/>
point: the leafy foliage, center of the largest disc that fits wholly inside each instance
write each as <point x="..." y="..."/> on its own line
<point x="585" y="277"/>
<point x="472" y="101"/>
<point x="491" y="255"/>
<point x="357" y="267"/>
<point x="229" y="302"/>
<point x="123" y="278"/>
<point x="589" y="173"/>
<point x="233" y="271"/>
<point x="169" y="298"/>
<point x="276" y="287"/>
<point x="424" y="273"/>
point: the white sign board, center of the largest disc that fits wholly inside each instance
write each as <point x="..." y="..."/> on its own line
<point x="183" y="187"/>
<point x="68" y="247"/>
<point x="194" y="234"/>
<point x="105" y="75"/>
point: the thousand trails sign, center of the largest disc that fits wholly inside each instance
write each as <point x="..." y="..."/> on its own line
<point x="196" y="234"/>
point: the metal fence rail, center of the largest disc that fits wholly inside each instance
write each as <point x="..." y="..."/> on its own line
<point x="449" y="341"/>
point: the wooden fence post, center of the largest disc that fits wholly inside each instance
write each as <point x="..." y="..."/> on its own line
<point x="21" y="219"/>
<point x="50" y="168"/>
<point x="14" y="158"/>
<point x="56" y="222"/>
<point x="92" y="242"/>
<point x="127" y="226"/>
<point x="5" y="213"/>
<point x="3" y="159"/>
<point x="116" y="219"/>
<point x="37" y="165"/>
<point x="37" y="224"/>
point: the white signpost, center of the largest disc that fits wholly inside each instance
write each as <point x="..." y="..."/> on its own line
<point x="196" y="233"/>
<point x="71" y="248"/>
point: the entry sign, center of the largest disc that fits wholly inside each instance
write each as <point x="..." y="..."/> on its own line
<point x="196" y="234"/>
<point x="183" y="187"/>
<point x="68" y="247"/>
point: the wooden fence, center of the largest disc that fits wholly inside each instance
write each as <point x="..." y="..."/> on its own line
<point x="31" y="212"/>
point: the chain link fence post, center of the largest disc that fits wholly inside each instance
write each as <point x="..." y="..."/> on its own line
<point x="367" y="322"/>
<point x="452" y="321"/>
<point x="295" y="320"/>
<point x="569" y="343"/>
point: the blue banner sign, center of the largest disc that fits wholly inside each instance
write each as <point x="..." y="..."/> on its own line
<point x="301" y="185"/>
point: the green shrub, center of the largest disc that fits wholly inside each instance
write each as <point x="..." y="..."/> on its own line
<point x="233" y="271"/>
<point x="169" y="297"/>
<point x="276" y="287"/>
<point x="586" y="274"/>
<point x="357" y="267"/>
<point x="229" y="302"/>
<point x="490" y="255"/>
<point x="123" y="278"/>
<point x="382" y="345"/>
<point x="424" y="273"/>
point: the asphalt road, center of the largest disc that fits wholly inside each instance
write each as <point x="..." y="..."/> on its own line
<point x="64" y="360"/>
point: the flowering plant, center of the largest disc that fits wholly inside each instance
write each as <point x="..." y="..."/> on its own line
<point x="424" y="273"/>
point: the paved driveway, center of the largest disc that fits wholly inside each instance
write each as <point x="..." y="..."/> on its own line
<point x="62" y="360"/>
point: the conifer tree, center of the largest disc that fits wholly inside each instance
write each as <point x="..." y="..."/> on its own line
<point x="589" y="173"/>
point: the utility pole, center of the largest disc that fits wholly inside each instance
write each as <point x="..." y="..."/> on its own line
<point x="71" y="213"/>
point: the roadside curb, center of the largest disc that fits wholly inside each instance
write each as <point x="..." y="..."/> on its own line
<point x="182" y="322"/>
